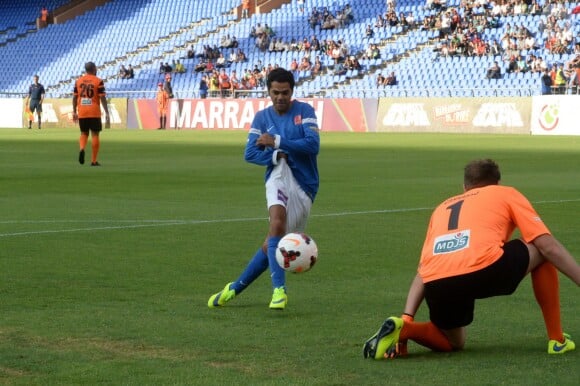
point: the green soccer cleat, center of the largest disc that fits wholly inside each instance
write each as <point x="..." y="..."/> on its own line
<point x="279" y="299"/>
<point x="555" y="347"/>
<point x="385" y="340"/>
<point x="222" y="297"/>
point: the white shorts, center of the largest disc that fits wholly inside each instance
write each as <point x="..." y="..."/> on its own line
<point x="283" y="189"/>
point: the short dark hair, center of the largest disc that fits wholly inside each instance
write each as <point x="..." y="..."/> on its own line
<point x="90" y="67"/>
<point x="280" y="75"/>
<point x="481" y="172"/>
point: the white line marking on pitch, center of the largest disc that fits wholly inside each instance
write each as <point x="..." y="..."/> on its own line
<point x="163" y="223"/>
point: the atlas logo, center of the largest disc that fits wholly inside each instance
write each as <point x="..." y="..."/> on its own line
<point x="451" y="242"/>
<point x="406" y="114"/>
<point x="498" y="115"/>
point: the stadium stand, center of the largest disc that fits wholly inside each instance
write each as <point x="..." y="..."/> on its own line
<point x="19" y="18"/>
<point x="145" y="33"/>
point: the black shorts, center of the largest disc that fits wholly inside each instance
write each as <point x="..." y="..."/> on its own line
<point x="35" y="105"/>
<point x="90" y="124"/>
<point x="451" y="300"/>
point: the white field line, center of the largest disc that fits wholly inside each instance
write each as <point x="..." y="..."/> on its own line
<point x="134" y="224"/>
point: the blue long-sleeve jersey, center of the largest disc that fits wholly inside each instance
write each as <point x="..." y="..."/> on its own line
<point x="299" y="139"/>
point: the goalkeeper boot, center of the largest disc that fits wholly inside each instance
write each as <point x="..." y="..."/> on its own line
<point x="555" y="347"/>
<point x="222" y="297"/>
<point x="385" y="340"/>
<point x="279" y="299"/>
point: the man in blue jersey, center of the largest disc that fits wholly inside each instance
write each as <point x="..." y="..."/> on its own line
<point x="34" y="101"/>
<point x="284" y="137"/>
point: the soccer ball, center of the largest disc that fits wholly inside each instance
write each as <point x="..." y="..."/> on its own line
<point x="297" y="252"/>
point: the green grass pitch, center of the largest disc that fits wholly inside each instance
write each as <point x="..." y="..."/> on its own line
<point x="106" y="272"/>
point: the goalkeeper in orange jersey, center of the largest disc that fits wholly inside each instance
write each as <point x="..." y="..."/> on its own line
<point x="162" y="106"/>
<point x="468" y="255"/>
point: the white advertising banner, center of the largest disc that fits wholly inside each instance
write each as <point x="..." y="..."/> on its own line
<point x="11" y="110"/>
<point x="555" y="115"/>
<point x="455" y="115"/>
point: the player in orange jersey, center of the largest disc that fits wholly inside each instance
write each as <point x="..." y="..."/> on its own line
<point x="468" y="255"/>
<point x="162" y="106"/>
<point x="88" y="97"/>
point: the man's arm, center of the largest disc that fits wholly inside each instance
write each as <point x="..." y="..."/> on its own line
<point x="106" y="108"/>
<point x="557" y="254"/>
<point x="74" y="104"/>
<point x="415" y="296"/>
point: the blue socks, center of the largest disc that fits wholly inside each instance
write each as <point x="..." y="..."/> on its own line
<point x="258" y="265"/>
<point x="255" y="268"/>
<point x="276" y="272"/>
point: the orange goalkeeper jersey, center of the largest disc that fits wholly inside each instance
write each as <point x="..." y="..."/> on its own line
<point x="162" y="99"/>
<point x="467" y="232"/>
<point x="89" y="89"/>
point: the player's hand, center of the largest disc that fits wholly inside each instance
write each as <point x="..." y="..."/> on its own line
<point x="75" y="117"/>
<point x="266" y="140"/>
<point x="398" y="350"/>
<point x="401" y="347"/>
<point x="107" y="122"/>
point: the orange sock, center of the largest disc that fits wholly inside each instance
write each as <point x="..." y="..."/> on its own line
<point x="96" y="144"/>
<point x="83" y="141"/>
<point x="426" y="334"/>
<point x="547" y="291"/>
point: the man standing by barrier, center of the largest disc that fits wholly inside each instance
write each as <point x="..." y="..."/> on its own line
<point x="34" y="101"/>
<point x="245" y="9"/>
<point x="162" y="106"/>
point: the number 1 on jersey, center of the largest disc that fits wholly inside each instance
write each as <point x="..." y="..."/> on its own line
<point x="454" y="215"/>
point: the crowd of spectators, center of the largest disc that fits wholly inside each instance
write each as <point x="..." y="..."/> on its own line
<point x="324" y="19"/>
<point x="462" y="30"/>
<point x="176" y="67"/>
<point x="126" y="72"/>
<point x="223" y="84"/>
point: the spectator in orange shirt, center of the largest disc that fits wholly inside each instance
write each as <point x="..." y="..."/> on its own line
<point x="468" y="255"/>
<point x="43" y="17"/>
<point x="245" y="9"/>
<point x="88" y="91"/>
<point x="234" y="82"/>
<point x="224" y="83"/>
<point x="162" y="99"/>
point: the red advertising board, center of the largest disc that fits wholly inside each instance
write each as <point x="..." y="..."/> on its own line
<point x="237" y="114"/>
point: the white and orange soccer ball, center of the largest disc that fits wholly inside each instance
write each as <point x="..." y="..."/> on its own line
<point x="297" y="252"/>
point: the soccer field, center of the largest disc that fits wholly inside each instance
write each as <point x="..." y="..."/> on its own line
<point x="106" y="272"/>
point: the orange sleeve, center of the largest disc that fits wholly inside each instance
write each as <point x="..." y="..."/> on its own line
<point x="467" y="232"/>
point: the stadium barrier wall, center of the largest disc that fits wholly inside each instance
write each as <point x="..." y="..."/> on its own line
<point x="57" y="113"/>
<point x="357" y="115"/>
<point x="455" y="115"/>
<point x="11" y="110"/>
<point x="538" y="115"/>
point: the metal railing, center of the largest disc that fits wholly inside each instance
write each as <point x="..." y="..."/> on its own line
<point x="299" y="92"/>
